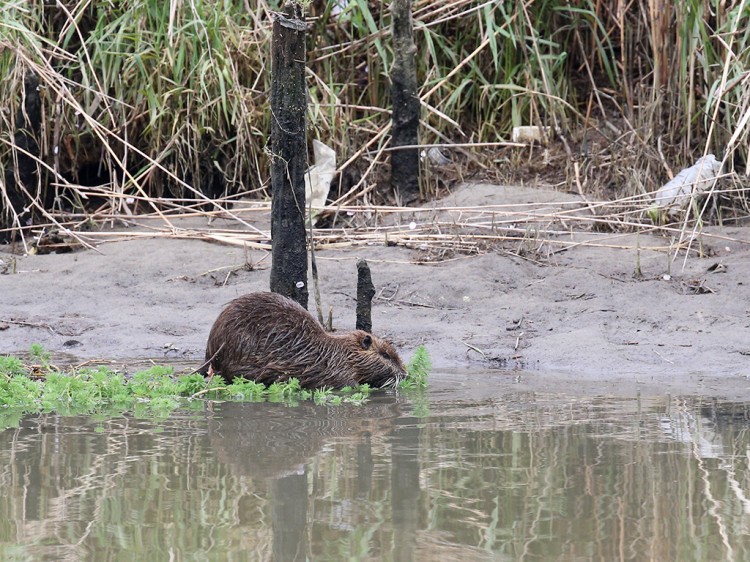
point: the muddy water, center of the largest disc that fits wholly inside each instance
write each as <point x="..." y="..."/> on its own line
<point x="469" y="470"/>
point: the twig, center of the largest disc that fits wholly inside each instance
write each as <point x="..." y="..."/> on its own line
<point x="207" y="362"/>
<point x="474" y="348"/>
<point x="206" y="391"/>
<point x="33" y="325"/>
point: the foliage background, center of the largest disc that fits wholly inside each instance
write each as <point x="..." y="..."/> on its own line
<point x="143" y="99"/>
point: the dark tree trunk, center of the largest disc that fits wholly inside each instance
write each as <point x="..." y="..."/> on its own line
<point x="288" y="105"/>
<point x="365" y="292"/>
<point x="406" y="106"/>
<point x="28" y="123"/>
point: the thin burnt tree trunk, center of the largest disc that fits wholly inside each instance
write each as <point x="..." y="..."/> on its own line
<point x="406" y="106"/>
<point x="288" y="106"/>
<point x="26" y="175"/>
<point x="365" y="292"/>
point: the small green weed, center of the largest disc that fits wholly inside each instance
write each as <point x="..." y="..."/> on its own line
<point x="19" y="392"/>
<point x="11" y="366"/>
<point x="417" y="369"/>
<point x="243" y="389"/>
<point x="38" y="353"/>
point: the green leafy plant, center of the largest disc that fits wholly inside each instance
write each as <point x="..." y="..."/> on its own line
<point x="417" y="369"/>
<point x="19" y="392"/>
<point x="39" y="354"/>
<point x="11" y="366"/>
<point x="243" y="389"/>
<point x="152" y="392"/>
<point x="188" y="385"/>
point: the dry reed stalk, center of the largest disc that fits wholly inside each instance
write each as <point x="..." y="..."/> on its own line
<point x="349" y="194"/>
<point x="457" y="229"/>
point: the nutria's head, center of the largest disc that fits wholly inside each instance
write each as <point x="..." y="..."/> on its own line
<point x="373" y="361"/>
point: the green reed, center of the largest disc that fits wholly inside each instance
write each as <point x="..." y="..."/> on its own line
<point x="144" y="98"/>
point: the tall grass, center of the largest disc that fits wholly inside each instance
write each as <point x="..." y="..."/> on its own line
<point x="140" y="97"/>
<point x="144" y="99"/>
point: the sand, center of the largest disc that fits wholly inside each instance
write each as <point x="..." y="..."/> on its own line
<point x="579" y="321"/>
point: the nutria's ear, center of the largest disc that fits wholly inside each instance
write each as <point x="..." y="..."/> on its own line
<point x="366" y="341"/>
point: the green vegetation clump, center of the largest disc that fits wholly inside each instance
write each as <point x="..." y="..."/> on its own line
<point x="418" y="368"/>
<point x="153" y="392"/>
<point x="290" y="392"/>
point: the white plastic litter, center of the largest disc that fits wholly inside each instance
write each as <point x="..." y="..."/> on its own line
<point x="318" y="177"/>
<point x="529" y="134"/>
<point x="435" y="156"/>
<point x="675" y="195"/>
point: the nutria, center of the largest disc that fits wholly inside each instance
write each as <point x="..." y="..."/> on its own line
<point x="266" y="337"/>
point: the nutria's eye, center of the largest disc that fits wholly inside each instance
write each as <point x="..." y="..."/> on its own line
<point x="366" y="342"/>
<point x="384" y="355"/>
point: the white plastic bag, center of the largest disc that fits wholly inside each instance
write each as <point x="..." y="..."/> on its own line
<point x="675" y="195"/>
<point x="318" y="177"/>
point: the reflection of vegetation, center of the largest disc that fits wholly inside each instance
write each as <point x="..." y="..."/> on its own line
<point x="156" y="391"/>
<point x="561" y="480"/>
<point x="503" y="476"/>
<point x="544" y="479"/>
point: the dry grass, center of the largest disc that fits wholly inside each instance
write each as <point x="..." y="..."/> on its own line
<point x="535" y="232"/>
<point x="161" y="108"/>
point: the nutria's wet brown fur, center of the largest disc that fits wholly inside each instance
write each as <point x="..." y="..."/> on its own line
<point x="266" y="337"/>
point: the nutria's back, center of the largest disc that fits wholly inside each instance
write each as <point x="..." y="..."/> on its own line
<point x="266" y="337"/>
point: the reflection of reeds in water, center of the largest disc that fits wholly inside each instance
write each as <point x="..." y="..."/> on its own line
<point x="512" y="477"/>
<point x="638" y="481"/>
<point x="134" y="488"/>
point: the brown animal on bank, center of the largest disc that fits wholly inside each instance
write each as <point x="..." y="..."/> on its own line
<point x="266" y="337"/>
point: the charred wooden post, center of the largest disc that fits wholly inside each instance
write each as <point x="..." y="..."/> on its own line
<point x="288" y="105"/>
<point x="406" y="106"/>
<point x="365" y="292"/>
<point x="21" y="182"/>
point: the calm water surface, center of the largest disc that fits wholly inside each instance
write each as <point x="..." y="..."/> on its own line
<point x="478" y="473"/>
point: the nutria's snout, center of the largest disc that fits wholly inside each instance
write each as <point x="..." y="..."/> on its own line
<point x="380" y="359"/>
<point x="266" y="337"/>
